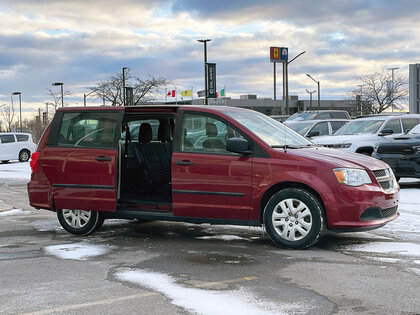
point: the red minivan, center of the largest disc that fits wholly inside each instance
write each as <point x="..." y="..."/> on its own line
<point x="204" y="164"/>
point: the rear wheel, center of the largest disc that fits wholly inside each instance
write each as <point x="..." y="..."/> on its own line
<point x="24" y="156"/>
<point x="294" y="218"/>
<point x="80" y="222"/>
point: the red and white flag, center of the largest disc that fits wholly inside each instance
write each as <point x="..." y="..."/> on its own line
<point x="171" y="93"/>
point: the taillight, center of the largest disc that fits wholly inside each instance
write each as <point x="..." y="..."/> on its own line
<point x="34" y="162"/>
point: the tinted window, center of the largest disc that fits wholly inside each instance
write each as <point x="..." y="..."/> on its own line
<point x="335" y="125"/>
<point x="21" y="138"/>
<point x="409" y="123"/>
<point x="393" y="125"/>
<point x="322" y="128"/>
<point x="94" y="129"/>
<point x="339" y="115"/>
<point x="7" y="138"/>
<point x="323" y="116"/>
<point x="205" y="134"/>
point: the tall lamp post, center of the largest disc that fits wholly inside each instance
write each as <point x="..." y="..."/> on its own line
<point x="20" y="109"/>
<point x="62" y="94"/>
<point x="85" y="95"/>
<point x="319" y="91"/>
<point x="205" y="62"/>
<point x="392" y="87"/>
<point x="287" y="80"/>
<point x="123" y="82"/>
<point x="361" y="99"/>
<point x="310" y="97"/>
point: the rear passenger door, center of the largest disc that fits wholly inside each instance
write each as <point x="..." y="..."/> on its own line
<point x="80" y="159"/>
<point x="8" y="147"/>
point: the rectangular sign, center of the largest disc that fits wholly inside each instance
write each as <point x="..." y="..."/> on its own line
<point x="279" y="54"/>
<point x="211" y="80"/>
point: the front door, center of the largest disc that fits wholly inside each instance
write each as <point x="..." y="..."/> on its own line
<point x="80" y="159"/>
<point x="207" y="180"/>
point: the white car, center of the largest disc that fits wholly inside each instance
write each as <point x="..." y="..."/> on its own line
<point x="316" y="128"/>
<point x="16" y="146"/>
<point x="362" y="134"/>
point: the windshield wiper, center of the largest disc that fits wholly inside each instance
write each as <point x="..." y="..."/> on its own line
<point x="289" y="146"/>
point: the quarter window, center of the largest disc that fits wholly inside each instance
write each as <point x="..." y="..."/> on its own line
<point x="93" y="130"/>
<point x="22" y="138"/>
<point x="7" y="138"/>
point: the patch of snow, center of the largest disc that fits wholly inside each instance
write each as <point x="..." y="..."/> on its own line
<point x="14" y="212"/>
<point x="222" y="237"/>
<point x="415" y="270"/>
<point x="404" y="249"/>
<point x="15" y="171"/>
<point x="385" y="259"/>
<point x="205" y="301"/>
<point x="76" y="251"/>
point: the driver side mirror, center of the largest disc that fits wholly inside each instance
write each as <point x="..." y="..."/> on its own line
<point x="386" y="132"/>
<point x="238" y="145"/>
<point x="312" y="134"/>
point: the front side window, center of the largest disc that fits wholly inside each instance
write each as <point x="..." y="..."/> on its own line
<point x="206" y="134"/>
<point x="7" y="138"/>
<point x="322" y="128"/>
<point x="393" y="125"/>
<point x="88" y="129"/>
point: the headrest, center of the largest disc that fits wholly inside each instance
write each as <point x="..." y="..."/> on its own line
<point x="164" y="131"/>
<point x="145" y="133"/>
<point x="211" y="130"/>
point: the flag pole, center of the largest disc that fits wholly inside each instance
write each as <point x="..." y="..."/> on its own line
<point x="192" y="94"/>
<point x="166" y="95"/>
<point x="176" y="97"/>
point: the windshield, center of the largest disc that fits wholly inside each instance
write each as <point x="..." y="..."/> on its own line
<point x="415" y="130"/>
<point x="269" y="130"/>
<point x="360" y="126"/>
<point x="302" y="116"/>
<point x="300" y="128"/>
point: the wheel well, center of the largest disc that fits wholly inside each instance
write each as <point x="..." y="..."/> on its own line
<point x="280" y="186"/>
<point x="364" y="150"/>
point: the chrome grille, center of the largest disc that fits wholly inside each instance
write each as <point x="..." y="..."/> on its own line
<point x="385" y="184"/>
<point x="402" y="149"/>
<point x="379" y="173"/>
<point x="384" y="178"/>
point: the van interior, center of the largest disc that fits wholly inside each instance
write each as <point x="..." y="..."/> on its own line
<point x="145" y="150"/>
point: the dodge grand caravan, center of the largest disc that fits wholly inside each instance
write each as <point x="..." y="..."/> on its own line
<point x="198" y="164"/>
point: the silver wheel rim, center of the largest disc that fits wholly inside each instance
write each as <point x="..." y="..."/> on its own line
<point x="76" y="218"/>
<point x="292" y="219"/>
<point x="24" y="156"/>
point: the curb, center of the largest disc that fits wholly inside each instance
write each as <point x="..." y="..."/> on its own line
<point x="5" y="207"/>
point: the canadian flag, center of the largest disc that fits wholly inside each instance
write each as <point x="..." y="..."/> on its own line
<point x="171" y="93"/>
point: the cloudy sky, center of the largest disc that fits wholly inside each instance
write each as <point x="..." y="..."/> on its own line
<point x="80" y="42"/>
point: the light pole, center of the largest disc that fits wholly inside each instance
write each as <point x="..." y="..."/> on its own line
<point x="310" y="97"/>
<point x="123" y="79"/>
<point x="392" y="88"/>
<point x="287" y="80"/>
<point x="319" y="91"/>
<point x="361" y="99"/>
<point x="20" y="109"/>
<point x="85" y="95"/>
<point x="205" y="62"/>
<point x="62" y="94"/>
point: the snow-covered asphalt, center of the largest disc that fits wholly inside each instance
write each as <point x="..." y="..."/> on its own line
<point x="171" y="268"/>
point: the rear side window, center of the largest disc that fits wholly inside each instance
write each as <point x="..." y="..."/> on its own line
<point x="339" y="115"/>
<point x="323" y="116"/>
<point x="7" y="138"/>
<point x="335" y="125"/>
<point x="393" y="125"/>
<point x="22" y="138"/>
<point x="409" y="123"/>
<point x="88" y="129"/>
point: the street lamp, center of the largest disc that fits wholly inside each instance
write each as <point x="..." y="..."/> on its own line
<point x="20" y="109"/>
<point x="392" y="88"/>
<point x="361" y="99"/>
<point x="62" y="94"/>
<point x="123" y="79"/>
<point x="319" y="91"/>
<point x="205" y="61"/>
<point x="310" y="97"/>
<point x="287" y="80"/>
<point x="85" y="95"/>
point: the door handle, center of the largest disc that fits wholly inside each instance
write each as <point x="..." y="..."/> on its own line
<point x="184" y="162"/>
<point x="103" y="158"/>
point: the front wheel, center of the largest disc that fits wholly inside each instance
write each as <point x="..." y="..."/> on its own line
<point x="80" y="222"/>
<point x="294" y="218"/>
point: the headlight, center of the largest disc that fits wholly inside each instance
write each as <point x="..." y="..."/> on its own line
<point x="352" y="176"/>
<point x="342" y="145"/>
<point x="416" y="148"/>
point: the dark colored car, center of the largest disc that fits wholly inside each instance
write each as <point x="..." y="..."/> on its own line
<point x="402" y="154"/>
<point x="205" y="164"/>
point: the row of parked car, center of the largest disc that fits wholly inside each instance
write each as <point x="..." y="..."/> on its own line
<point x="394" y="139"/>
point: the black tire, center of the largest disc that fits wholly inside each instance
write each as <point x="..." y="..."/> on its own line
<point x="89" y="221"/>
<point x="287" y="232"/>
<point x="397" y="178"/>
<point x="24" y="155"/>
<point x="5" y="161"/>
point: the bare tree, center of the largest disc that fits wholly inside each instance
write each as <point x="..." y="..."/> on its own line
<point x="8" y="114"/>
<point x="379" y="94"/>
<point x="144" y="91"/>
<point x="56" y="101"/>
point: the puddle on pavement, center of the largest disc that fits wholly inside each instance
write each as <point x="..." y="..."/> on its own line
<point x="210" y="259"/>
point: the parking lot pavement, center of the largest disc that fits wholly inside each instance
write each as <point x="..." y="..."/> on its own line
<point x="177" y="268"/>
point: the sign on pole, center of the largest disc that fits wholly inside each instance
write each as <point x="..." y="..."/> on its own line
<point x="279" y="54"/>
<point x="211" y="80"/>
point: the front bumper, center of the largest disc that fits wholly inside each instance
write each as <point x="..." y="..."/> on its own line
<point x="351" y="207"/>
